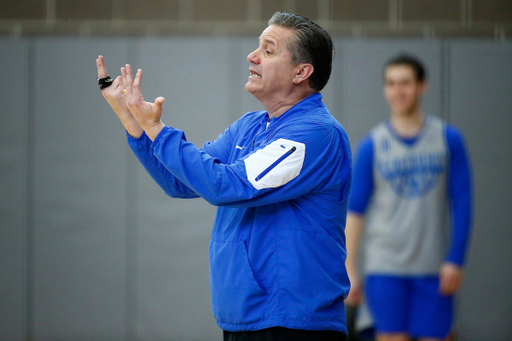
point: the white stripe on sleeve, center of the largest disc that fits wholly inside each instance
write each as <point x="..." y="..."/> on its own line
<point x="276" y="164"/>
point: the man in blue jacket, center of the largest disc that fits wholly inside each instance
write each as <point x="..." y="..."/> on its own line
<point x="280" y="179"/>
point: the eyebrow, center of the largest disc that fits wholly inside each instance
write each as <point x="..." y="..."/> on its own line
<point x="268" y="41"/>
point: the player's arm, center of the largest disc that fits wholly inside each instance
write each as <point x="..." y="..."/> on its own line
<point x="114" y="94"/>
<point x="143" y="150"/>
<point x="137" y="114"/>
<point x="460" y="193"/>
<point x="288" y="166"/>
<point x="360" y="193"/>
<point x="353" y="232"/>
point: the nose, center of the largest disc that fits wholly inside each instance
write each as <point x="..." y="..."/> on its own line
<point x="252" y="57"/>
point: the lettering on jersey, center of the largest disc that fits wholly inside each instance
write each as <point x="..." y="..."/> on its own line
<point x="385" y="146"/>
<point x="414" y="175"/>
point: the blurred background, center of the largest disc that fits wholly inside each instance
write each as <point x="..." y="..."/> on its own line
<point x="92" y="249"/>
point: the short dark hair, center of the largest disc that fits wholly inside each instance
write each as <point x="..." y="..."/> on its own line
<point x="408" y="60"/>
<point x="311" y="44"/>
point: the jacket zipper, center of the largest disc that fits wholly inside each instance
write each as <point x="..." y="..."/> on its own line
<point x="254" y="139"/>
<point x="278" y="161"/>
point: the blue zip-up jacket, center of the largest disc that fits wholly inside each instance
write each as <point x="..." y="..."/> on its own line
<point x="277" y="250"/>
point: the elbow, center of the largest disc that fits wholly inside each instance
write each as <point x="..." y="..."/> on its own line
<point x="180" y="195"/>
<point x="213" y="199"/>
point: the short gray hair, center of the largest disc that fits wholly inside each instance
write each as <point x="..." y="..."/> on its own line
<point x="311" y="44"/>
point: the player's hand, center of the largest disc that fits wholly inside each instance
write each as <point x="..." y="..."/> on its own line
<point x="450" y="279"/>
<point x="114" y="94"/>
<point x="355" y="295"/>
<point x="146" y="113"/>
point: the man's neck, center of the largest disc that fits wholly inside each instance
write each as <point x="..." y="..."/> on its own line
<point x="278" y="110"/>
<point x="407" y="124"/>
<point x="278" y="107"/>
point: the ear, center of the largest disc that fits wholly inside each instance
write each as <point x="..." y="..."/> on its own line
<point x="423" y="87"/>
<point x="304" y="71"/>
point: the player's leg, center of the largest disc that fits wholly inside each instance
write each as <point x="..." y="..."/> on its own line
<point x="431" y="312"/>
<point x="388" y="300"/>
<point x="450" y="337"/>
<point x="392" y="337"/>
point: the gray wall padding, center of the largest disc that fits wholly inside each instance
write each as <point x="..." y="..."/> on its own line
<point x="92" y="249"/>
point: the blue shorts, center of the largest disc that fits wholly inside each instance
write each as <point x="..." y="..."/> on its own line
<point x="411" y="305"/>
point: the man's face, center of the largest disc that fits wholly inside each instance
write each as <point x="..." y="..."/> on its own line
<point x="403" y="91"/>
<point x="272" y="71"/>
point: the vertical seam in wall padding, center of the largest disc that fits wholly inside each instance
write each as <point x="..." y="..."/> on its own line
<point x="51" y="12"/>
<point x="341" y="100"/>
<point x="442" y="80"/>
<point x="445" y="69"/>
<point x="395" y="14"/>
<point x="235" y="98"/>
<point x="29" y="329"/>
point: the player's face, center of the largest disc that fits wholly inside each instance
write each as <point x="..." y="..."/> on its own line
<point x="271" y="69"/>
<point x="403" y="91"/>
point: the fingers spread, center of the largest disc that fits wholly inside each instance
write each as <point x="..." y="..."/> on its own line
<point x="100" y="65"/>
<point x="128" y="78"/>
<point x="118" y="85"/>
<point x="114" y="90"/>
<point x="159" y="101"/>
<point x="127" y="85"/>
<point x="136" y="90"/>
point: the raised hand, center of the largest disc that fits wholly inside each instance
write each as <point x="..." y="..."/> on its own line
<point x="147" y="114"/>
<point x="115" y="97"/>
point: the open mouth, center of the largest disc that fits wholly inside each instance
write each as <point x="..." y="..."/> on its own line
<point x="255" y="75"/>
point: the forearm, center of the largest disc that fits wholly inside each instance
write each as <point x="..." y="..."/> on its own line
<point x="460" y="227"/>
<point x="152" y="130"/>
<point x="353" y="232"/>
<point x="131" y="125"/>
<point x="174" y="188"/>
<point x="460" y="194"/>
<point x="244" y="182"/>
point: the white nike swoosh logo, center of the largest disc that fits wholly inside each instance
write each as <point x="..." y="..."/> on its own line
<point x="238" y="147"/>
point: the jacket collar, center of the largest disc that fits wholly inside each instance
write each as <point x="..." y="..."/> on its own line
<point x="303" y="107"/>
